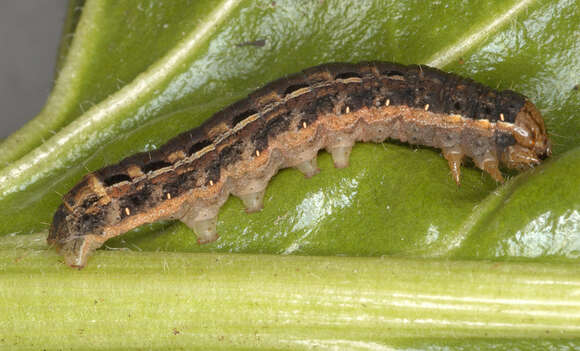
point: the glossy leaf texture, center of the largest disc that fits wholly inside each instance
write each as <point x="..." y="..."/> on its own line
<point x="137" y="73"/>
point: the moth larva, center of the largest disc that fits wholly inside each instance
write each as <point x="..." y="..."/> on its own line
<point x="285" y="124"/>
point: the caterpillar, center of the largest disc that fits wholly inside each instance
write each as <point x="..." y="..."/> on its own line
<point x="285" y="124"/>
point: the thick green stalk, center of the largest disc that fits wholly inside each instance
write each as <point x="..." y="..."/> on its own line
<point x="72" y="18"/>
<point x="211" y="301"/>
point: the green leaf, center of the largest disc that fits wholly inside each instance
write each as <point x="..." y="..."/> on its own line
<point x="137" y="73"/>
<point x="153" y="70"/>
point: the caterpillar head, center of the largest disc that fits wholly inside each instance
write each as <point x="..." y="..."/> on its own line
<point x="532" y="142"/>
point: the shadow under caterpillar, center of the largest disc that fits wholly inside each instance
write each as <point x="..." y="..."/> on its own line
<point x="285" y="124"/>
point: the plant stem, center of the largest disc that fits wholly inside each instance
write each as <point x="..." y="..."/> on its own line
<point x="154" y="300"/>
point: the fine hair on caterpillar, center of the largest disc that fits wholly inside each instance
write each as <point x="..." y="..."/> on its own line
<point x="285" y="124"/>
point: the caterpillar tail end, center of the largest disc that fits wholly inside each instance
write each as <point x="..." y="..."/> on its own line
<point x="76" y="252"/>
<point x="74" y="247"/>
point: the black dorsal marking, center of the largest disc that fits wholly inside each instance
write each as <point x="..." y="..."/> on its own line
<point x="139" y="198"/>
<point x="213" y="173"/>
<point x="117" y="178"/>
<point x="347" y="75"/>
<point x="294" y="87"/>
<point x="89" y="201"/>
<point x="153" y="166"/>
<point x="242" y="116"/>
<point x="170" y="188"/>
<point x="198" y="146"/>
<point x="232" y="153"/>
<point x="90" y="223"/>
<point x="394" y="74"/>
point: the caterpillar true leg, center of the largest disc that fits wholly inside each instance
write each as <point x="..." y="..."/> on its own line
<point x="454" y="156"/>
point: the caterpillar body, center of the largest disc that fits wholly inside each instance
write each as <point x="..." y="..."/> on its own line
<point x="285" y="124"/>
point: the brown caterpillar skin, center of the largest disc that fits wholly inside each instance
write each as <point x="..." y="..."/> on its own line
<point x="285" y="124"/>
